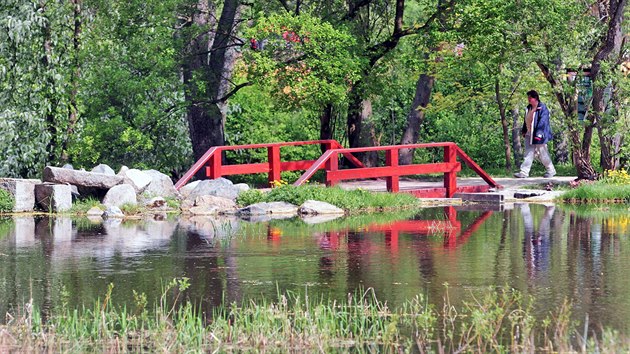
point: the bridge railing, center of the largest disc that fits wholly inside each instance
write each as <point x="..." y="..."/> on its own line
<point x="214" y="168"/>
<point x="392" y="170"/>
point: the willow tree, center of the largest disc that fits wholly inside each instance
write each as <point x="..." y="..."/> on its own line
<point x="38" y="52"/>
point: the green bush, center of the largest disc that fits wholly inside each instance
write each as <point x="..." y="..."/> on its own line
<point x="7" y="202"/>
<point x="250" y="197"/>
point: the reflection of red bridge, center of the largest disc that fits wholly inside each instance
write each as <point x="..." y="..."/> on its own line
<point x="212" y="161"/>
<point x="450" y="227"/>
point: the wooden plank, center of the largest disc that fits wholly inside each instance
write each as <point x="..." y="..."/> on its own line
<point x="391" y="160"/>
<point x="273" y="156"/>
<point x="427" y="192"/>
<point x="196" y="167"/>
<point x="473" y="165"/>
<point x="450" y="177"/>
<point x="245" y="169"/>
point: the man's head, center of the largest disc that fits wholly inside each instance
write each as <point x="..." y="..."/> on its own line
<point x="532" y="97"/>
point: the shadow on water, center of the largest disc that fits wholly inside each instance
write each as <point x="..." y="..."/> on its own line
<point x="549" y="252"/>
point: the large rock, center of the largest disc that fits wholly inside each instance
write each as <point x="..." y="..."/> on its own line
<point x="188" y="188"/>
<point x="314" y="207"/>
<point x="278" y="208"/>
<point x="139" y="180"/>
<point x="219" y="187"/>
<point x="23" y="191"/>
<point x="104" y="169"/>
<point x="212" y="205"/>
<point x="80" y="178"/>
<point x="113" y="212"/>
<point x="241" y="187"/>
<point x="95" y="211"/>
<point x="120" y="195"/>
<point x="210" y="227"/>
<point x="160" y="186"/>
<point x="53" y="197"/>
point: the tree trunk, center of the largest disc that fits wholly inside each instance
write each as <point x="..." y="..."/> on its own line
<point x="210" y="58"/>
<point x="355" y="118"/>
<point x="74" y="80"/>
<point x="424" y="86"/>
<point x="609" y="51"/>
<point x="325" y="124"/>
<point x="580" y="148"/>
<point x="504" y="126"/>
<point x="560" y="146"/>
<point x="368" y="136"/>
<point x="50" y="95"/>
<point x="516" y="137"/>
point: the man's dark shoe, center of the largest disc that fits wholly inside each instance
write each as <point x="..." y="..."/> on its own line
<point x="520" y="175"/>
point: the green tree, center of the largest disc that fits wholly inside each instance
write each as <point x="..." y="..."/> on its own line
<point x="36" y="60"/>
<point x="130" y="88"/>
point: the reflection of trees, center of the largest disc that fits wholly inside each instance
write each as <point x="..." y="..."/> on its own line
<point x="357" y="248"/>
<point x="586" y="269"/>
<point x="8" y="292"/>
<point x="43" y="228"/>
<point x="202" y="265"/>
<point x="328" y="242"/>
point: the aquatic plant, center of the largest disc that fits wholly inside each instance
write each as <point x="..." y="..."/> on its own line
<point x="496" y="320"/>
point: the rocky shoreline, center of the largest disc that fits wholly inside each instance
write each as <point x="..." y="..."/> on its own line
<point x="148" y="190"/>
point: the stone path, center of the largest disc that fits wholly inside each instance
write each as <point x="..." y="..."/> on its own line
<point x="511" y="186"/>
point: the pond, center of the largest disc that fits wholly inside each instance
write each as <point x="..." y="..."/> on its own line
<point x="551" y="252"/>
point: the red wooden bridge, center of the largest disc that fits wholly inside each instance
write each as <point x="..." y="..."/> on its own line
<point x="329" y="162"/>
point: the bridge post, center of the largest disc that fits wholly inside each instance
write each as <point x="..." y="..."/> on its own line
<point x="332" y="165"/>
<point x="273" y="156"/>
<point x="213" y="170"/>
<point x="450" y="178"/>
<point x="391" y="160"/>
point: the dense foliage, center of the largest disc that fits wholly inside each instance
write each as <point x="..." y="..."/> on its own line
<point x="92" y="81"/>
<point x="6" y="201"/>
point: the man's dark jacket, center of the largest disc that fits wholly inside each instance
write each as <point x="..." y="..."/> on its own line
<point x="540" y="124"/>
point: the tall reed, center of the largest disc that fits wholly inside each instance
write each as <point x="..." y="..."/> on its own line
<point x="495" y="320"/>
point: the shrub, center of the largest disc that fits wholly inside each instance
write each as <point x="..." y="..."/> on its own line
<point x="7" y="202"/>
<point x="616" y="177"/>
<point x="250" y="197"/>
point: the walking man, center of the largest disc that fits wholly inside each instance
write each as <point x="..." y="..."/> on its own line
<point x="537" y="132"/>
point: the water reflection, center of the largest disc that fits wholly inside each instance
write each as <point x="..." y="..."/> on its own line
<point x="537" y="244"/>
<point x="547" y="251"/>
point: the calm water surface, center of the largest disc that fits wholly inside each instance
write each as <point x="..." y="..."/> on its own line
<point x="549" y="252"/>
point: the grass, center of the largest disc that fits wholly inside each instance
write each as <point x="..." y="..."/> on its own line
<point x="491" y="320"/>
<point x="6" y="201"/>
<point x="81" y="206"/>
<point x="350" y="200"/>
<point x="598" y="192"/>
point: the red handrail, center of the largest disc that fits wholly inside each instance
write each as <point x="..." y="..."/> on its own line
<point x="329" y="161"/>
<point x="392" y="170"/>
<point x="214" y="168"/>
